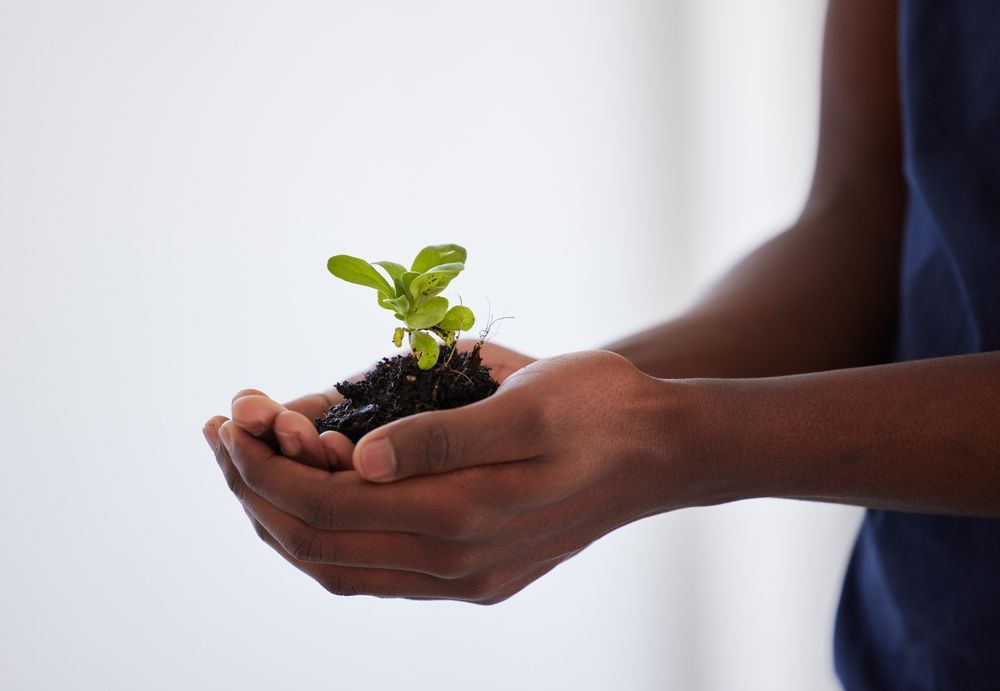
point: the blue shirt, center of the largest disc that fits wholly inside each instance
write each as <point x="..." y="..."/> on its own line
<point x="920" y="608"/>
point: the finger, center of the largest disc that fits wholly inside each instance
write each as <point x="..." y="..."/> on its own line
<point x="498" y="429"/>
<point x="247" y="392"/>
<point x="315" y="405"/>
<point x="211" y="431"/>
<point x="359" y="547"/>
<point x="434" y="570"/>
<point x="345" y="501"/>
<point x="290" y="536"/>
<point x="338" y="450"/>
<point x="369" y="549"/>
<point x="486" y="587"/>
<point x="217" y="440"/>
<point x="292" y="431"/>
<point x="323" y="500"/>
<point x="256" y="412"/>
<point x="299" y="439"/>
<point x="349" y="581"/>
<point x="229" y="472"/>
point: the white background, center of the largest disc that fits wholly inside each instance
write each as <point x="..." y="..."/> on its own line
<point x="173" y="177"/>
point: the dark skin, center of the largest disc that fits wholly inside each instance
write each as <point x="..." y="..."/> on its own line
<point x="770" y="387"/>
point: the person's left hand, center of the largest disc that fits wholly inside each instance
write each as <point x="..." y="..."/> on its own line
<point x="477" y="502"/>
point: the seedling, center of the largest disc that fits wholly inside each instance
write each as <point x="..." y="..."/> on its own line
<point x="413" y="296"/>
<point x="437" y="376"/>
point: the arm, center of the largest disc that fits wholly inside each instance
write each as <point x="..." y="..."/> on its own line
<point x="821" y="295"/>
<point x="918" y="436"/>
<point x="472" y="511"/>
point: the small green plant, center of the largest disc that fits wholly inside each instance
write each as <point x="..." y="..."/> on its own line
<point x="413" y="298"/>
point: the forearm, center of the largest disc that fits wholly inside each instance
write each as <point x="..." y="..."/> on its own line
<point x="822" y="295"/>
<point x="917" y="436"/>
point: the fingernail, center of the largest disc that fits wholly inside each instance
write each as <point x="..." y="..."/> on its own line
<point x="226" y="436"/>
<point x="377" y="460"/>
<point x="290" y="445"/>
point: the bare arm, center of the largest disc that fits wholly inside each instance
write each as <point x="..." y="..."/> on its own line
<point x="821" y="295"/>
<point x="916" y="436"/>
<point x="920" y="436"/>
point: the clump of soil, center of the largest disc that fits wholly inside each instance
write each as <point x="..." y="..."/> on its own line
<point x="396" y="387"/>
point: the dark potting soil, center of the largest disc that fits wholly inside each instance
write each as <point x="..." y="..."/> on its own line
<point x="396" y="387"/>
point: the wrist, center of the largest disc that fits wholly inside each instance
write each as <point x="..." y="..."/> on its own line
<point x="694" y="444"/>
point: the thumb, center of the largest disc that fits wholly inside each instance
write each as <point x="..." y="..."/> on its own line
<point x="498" y="429"/>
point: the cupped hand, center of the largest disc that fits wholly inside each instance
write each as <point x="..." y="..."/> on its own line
<point x="472" y="503"/>
<point x="289" y="426"/>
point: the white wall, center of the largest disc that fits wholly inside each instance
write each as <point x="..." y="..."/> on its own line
<point x="172" y="179"/>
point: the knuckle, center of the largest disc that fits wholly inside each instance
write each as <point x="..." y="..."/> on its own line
<point x="337" y="585"/>
<point x="493" y="600"/>
<point x="253" y="475"/>
<point x="234" y="482"/>
<point x="319" y="509"/>
<point x="535" y="415"/>
<point x="305" y="545"/>
<point x="480" y="590"/>
<point x="493" y="589"/>
<point x="463" y="523"/>
<point x="607" y="358"/>
<point x="438" y="450"/>
<point x="459" y="564"/>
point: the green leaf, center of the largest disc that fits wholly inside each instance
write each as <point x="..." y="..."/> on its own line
<point x="428" y="314"/>
<point x="396" y="272"/>
<point x="354" y="270"/>
<point x="400" y="305"/>
<point x="449" y="337"/>
<point x="458" y="318"/>
<point x="397" y="337"/>
<point x="407" y="278"/>
<point x="425" y="348"/>
<point x="434" y="280"/>
<point x="435" y="255"/>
